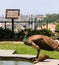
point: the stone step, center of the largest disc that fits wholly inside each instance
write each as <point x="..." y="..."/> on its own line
<point x="6" y="52"/>
<point x="9" y="55"/>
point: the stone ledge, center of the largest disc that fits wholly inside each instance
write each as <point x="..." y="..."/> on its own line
<point x="9" y="55"/>
<point x="6" y="52"/>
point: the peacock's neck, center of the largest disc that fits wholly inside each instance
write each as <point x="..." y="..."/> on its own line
<point x="57" y="48"/>
<point x="25" y="38"/>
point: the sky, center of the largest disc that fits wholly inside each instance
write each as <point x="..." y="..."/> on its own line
<point x="28" y="7"/>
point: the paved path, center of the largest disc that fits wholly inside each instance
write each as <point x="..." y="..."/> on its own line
<point x="7" y="54"/>
<point x="48" y="62"/>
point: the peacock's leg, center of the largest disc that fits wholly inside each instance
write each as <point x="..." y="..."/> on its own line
<point x="38" y="53"/>
<point x="36" y="47"/>
<point x="32" y="44"/>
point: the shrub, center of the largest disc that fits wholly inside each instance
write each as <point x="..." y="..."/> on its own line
<point x="46" y="32"/>
<point x="6" y="34"/>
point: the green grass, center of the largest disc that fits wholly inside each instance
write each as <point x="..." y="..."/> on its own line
<point x="20" y="48"/>
<point x="24" y="49"/>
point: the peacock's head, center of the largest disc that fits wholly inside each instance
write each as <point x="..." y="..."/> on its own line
<point x="58" y="48"/>
<point x="26" y="42"/>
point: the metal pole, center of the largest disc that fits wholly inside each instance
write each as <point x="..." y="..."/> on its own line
<point x="5" y="25"/>
<point x="12" y="25"/>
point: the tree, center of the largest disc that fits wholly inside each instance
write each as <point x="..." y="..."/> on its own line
<point x="51" y="17"/>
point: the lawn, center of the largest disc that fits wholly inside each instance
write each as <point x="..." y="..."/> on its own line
<point x="24" y="49"/>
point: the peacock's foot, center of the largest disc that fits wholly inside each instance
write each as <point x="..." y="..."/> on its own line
<point x="41" y="58"/>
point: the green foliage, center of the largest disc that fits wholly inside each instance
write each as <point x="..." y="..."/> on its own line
<point x="1" y="31"/>
<point x="46" y="32"/>
<point x="6" y="34"/>
<point x="21" y="34"/>
<point x="57" y="27"/>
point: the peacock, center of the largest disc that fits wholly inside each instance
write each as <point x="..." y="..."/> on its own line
<point x="41" y="42"/>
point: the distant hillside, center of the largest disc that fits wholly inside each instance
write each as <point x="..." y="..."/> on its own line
<point x="51" y="18"/>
